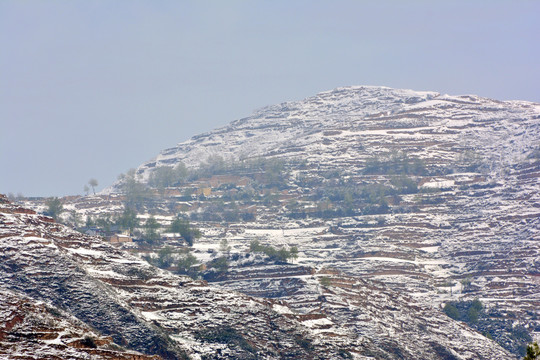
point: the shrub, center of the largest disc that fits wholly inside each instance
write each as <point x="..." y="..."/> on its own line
<point x="88" y="342"/>
<point x="451" y="311"/>
<point x="303" y="342"/>
<point x="220" y="264"/>
<point x="281" y="255"/>
<point x="325" y="281"/>
<point x="225" y="335"/>
<point x="533" y="352"/>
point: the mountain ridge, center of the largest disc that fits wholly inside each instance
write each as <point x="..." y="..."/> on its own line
<point x="348" y="106"/>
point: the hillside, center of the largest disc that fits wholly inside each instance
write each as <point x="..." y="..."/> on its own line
<point x="68" y="295"/>
<point x="400" y="203"/>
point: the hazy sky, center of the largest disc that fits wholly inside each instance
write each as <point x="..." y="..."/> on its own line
<point x="89" y="89"/>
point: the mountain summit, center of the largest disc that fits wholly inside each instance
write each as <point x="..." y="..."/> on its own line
<point x="363" y="114"/>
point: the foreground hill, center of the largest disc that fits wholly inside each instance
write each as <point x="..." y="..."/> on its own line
<point x="80" y="280"/>
<point x="66" y="295"/>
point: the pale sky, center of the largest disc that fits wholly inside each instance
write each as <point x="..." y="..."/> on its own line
<point x="90" y="89"/>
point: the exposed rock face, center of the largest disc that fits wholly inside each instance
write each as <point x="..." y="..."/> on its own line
<point x="72" y="283"/>
<point x="34" y="330"/>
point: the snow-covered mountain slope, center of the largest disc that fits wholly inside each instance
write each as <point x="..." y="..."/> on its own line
<point x="66" y="295"/>
<point x="140" y="307"/>
<point x="468" y="228"/>
<point x="408" y="201"/>
<point x="475" y="220"/>
<point x="33" y="330"/>
<point x="344" y="126"/>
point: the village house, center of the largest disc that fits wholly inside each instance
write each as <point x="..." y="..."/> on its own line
<point x="120" y="238"/>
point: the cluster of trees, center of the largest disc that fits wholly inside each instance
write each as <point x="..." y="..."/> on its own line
<point x="349" y="198"/>
<point x="468" y="312"/>
<point x="184" y="263"/>
<point x="54" y="208"/>
<point x="168" y="257"/>
<point x="179" y="225"/>
<point x="93" y="183"/>
<point x="271" y="172"/>
<point x="217" y="211"/>
<point x="395" y="163"/>
<point x="128" y="221"/>
<point x="492" y="324"/>
<point x="278" y="255"/>
<point x="151" y="230"/>
<point x="135" y="192"/>
<point x="166" y="176"/>
<point x="183" y="227"/>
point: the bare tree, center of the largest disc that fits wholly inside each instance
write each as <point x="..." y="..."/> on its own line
<point x="86" y="189"/>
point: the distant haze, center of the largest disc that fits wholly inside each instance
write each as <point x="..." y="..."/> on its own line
<point x="89" y="89"/>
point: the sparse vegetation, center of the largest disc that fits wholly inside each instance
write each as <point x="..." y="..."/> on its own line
<point x="226" y="335"/>
<point x="183" y="227"/>
<point x="395" y="164"/>
<point x="281" y="255"/>
<point x="533" y="352"/>
<point x="54" y="208"/>
<point x="492" y="325"/>
<point x="325" y="281"/>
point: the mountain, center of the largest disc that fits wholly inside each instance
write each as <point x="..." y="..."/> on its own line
<point x="67" y="295"/>
<point x="343" y="127"/>
<point x="416" y="217"/>
<point x="466" y="169"/>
